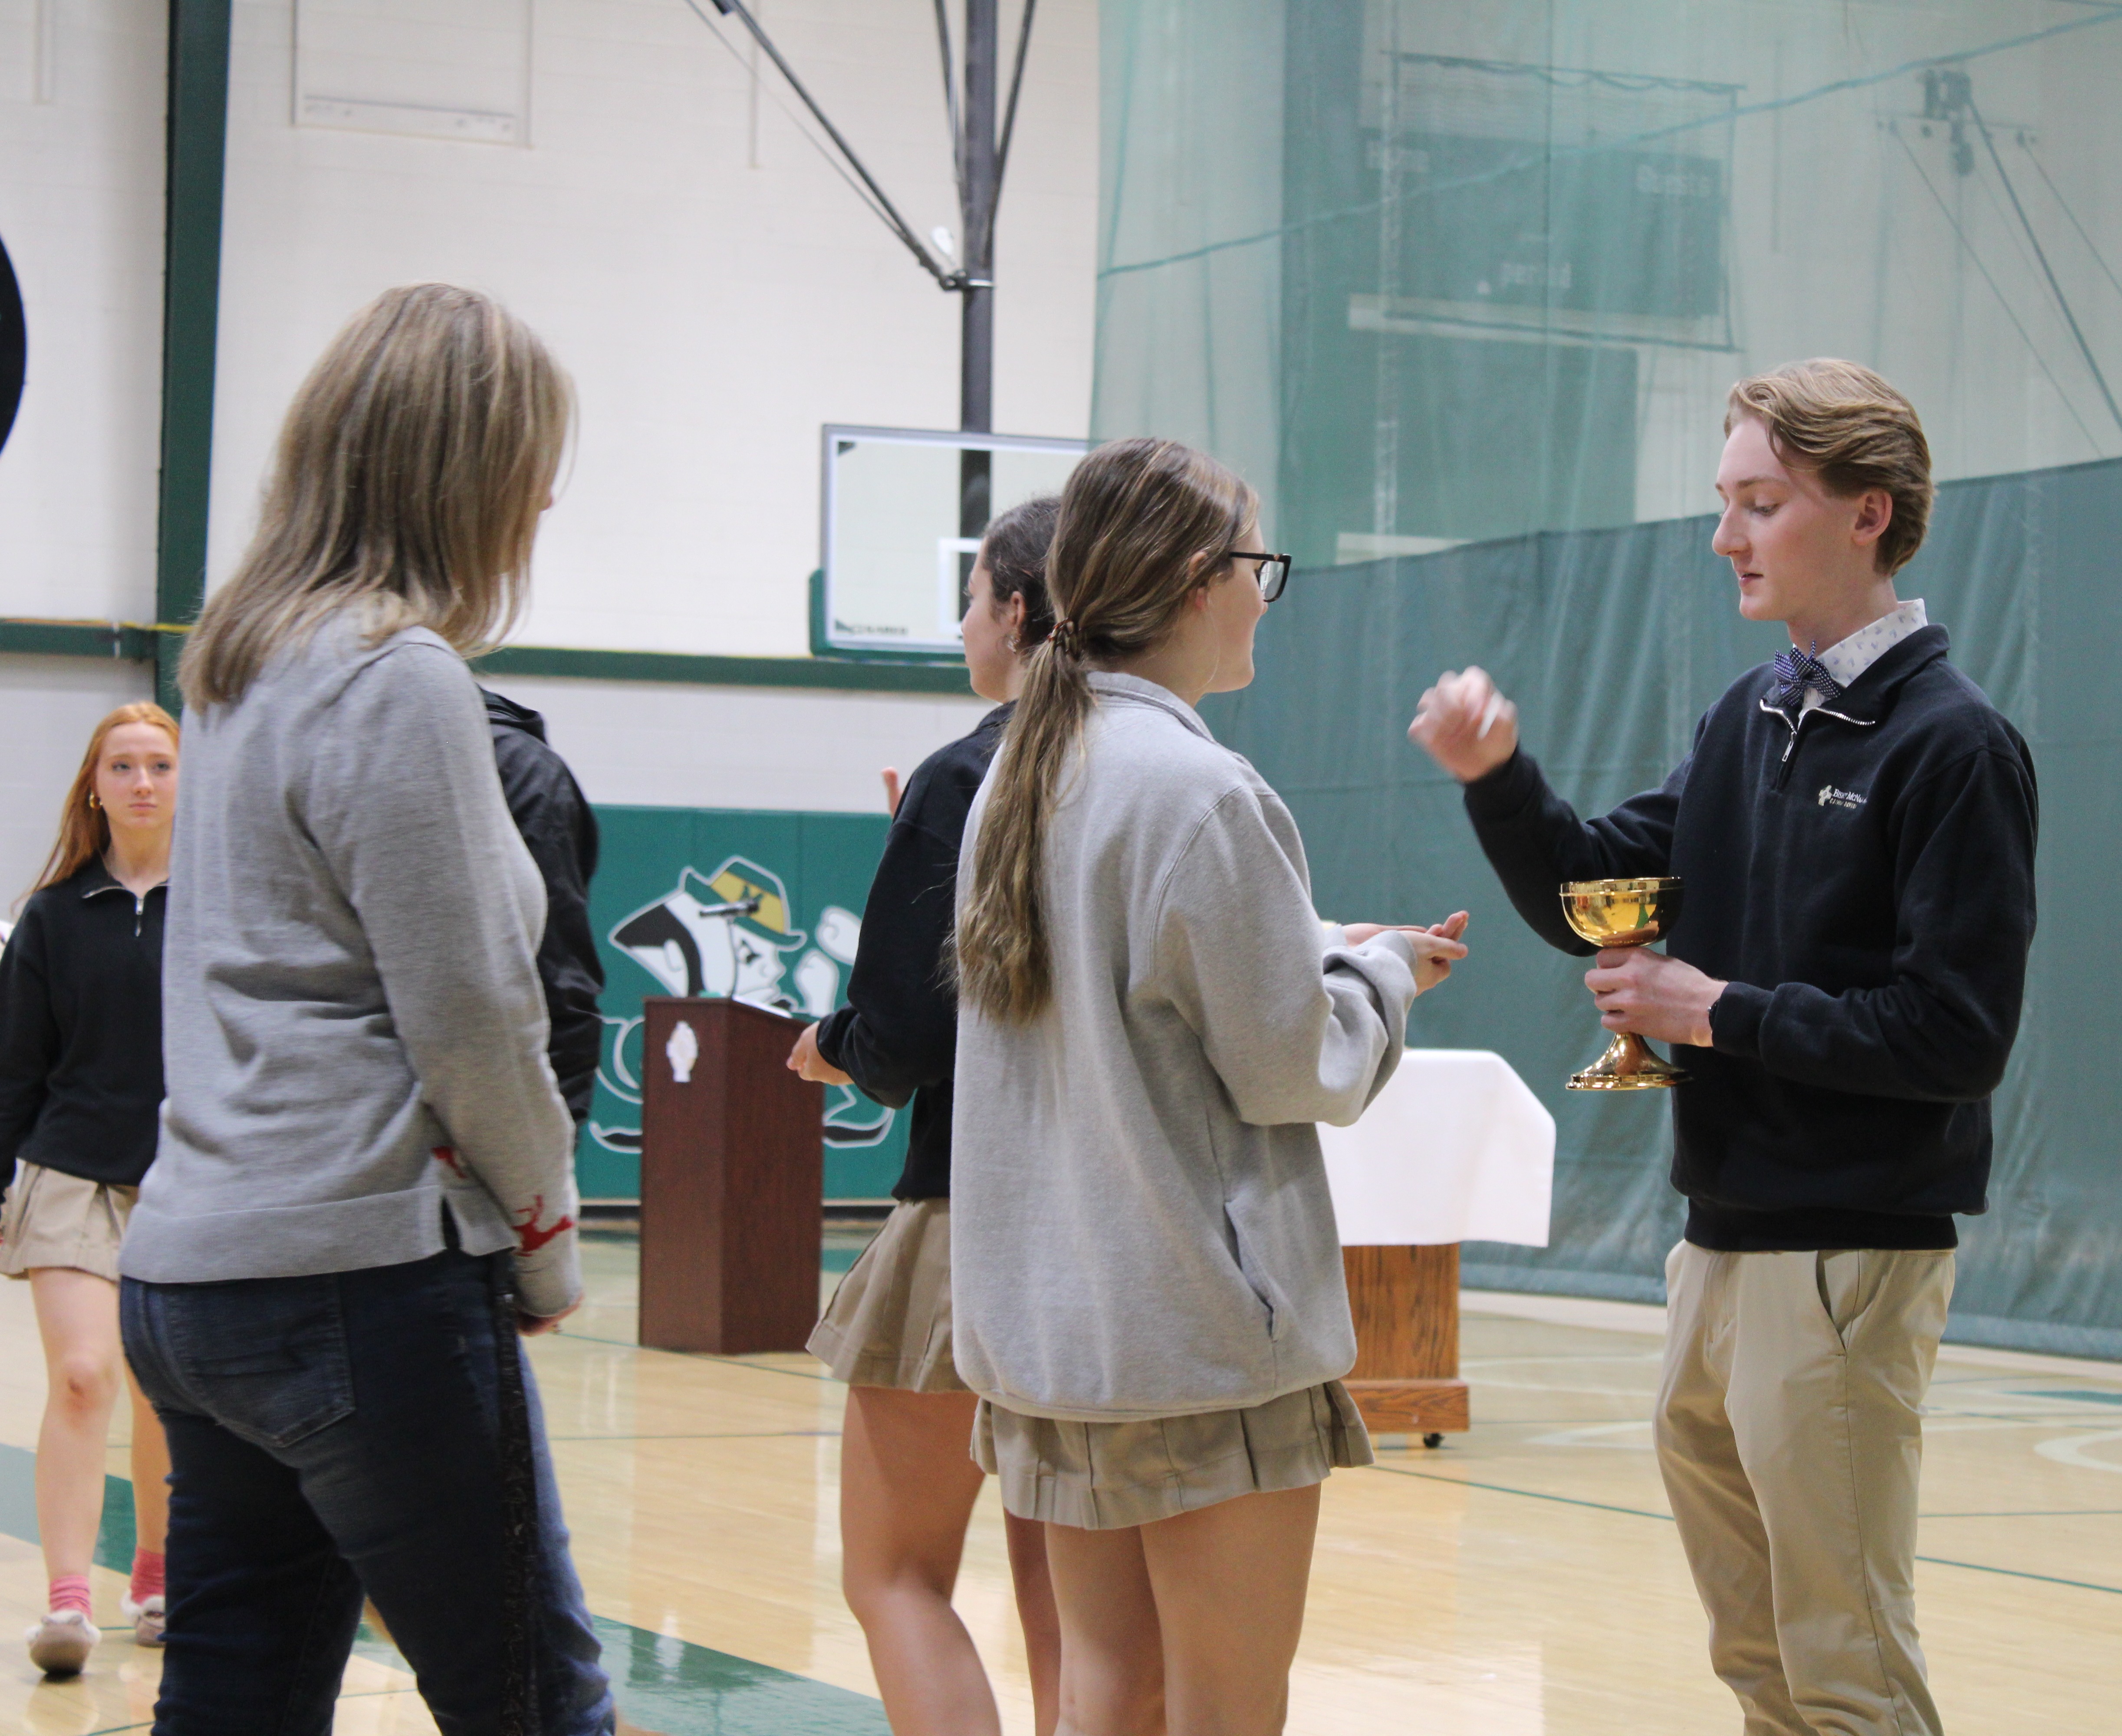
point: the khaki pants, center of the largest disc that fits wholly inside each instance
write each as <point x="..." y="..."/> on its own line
<point x="1789" y="1434"/>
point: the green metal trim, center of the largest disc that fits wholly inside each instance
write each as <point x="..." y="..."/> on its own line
<point x="122" y="640"/>
<point x="838" y="675"/>
<point x="131" y="641"/>
<point x="196" y="155"/>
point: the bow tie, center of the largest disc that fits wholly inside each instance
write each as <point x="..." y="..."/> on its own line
<point x="1797" y="670"/>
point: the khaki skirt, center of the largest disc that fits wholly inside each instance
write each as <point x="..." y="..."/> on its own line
<point x="1105" y="1476"/>
<point x="55" y="1219"/>
<point x="889" y="1323"/>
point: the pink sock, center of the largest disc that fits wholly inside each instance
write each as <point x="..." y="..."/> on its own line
<point x="70" y="1591"/>
<point x="147" y="1571"/>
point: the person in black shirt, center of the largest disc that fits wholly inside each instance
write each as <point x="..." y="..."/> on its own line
<point x="81" y="1084"/>
<point x="907" y="1480"/>
<point x="1854" y="834"/>
<point x="561" y="832"/>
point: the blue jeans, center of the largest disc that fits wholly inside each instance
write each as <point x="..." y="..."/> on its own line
<point x="359" y="1432"/>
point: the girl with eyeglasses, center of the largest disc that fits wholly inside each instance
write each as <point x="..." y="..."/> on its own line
<point x="1147" y="1291"/>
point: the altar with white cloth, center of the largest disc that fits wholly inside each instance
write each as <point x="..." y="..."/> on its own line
<point x="1456" y="1148"/>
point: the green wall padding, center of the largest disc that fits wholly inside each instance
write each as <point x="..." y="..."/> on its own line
<point x="819" y="867"/>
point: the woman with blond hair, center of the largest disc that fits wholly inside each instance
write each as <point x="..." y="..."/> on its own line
<point x="364" y="1190"/>
<point x="81" y="1078"/>
<point x="1147" y="1283"/>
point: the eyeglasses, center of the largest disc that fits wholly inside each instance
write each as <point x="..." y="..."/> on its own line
<point x="1273" y="572"/>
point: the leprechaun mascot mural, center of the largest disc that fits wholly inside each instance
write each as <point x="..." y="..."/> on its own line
<point x="732" y="934"/>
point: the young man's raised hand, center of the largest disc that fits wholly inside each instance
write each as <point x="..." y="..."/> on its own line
<point x="1466" y="725"/>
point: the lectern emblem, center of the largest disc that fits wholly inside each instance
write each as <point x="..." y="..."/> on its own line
<point x="681" y="1051"/>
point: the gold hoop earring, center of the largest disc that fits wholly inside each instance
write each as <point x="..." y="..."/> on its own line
<point x="92" y="801"/>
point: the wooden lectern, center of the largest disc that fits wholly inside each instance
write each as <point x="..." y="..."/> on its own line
<point x="733" y="1173"/>
<point x="1405" y="1302"/>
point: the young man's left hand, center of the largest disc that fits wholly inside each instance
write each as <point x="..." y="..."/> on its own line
<point x="1654" y="996"/>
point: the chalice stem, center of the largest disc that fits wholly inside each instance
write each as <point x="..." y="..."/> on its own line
<point x="1630" y="1064"/>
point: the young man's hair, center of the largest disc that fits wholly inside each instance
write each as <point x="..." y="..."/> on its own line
<point x="1853" y="431"/>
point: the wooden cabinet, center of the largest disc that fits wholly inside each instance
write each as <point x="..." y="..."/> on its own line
<point x="1405" y="1302"/>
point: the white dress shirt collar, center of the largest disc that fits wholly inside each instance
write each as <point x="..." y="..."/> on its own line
<point x="1846" y="658"/>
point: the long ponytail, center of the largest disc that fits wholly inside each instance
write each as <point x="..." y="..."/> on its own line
<point x="1143" y="524"/>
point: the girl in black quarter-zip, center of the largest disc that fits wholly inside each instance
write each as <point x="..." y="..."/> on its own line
<point x="81" y="1084"/>
<point x="907" y="1483"/>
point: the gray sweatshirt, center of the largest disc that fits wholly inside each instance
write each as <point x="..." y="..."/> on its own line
<point x="354" y="1031"/>
<point x="1140" y="1220"/>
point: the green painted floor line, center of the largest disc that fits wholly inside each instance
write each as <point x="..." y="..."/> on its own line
<point x="2020" y="1573"/>
<point x="2035" y="1513"/>
<point x="666" y="1684"/>
<point x="592" y="1440"/>
<point x="18" y="1509"/>
<point x="2076" y="1397"/>
<point x="1572" y="1501"/>
<point x="740" y="1362"/>
<point x="1531" y="1495"/>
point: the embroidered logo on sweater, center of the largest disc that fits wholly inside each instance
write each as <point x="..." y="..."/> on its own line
<point x="1831" y="797"/>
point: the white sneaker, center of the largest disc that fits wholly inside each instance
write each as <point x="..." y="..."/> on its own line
<point x="60" y="1644"/>
<point x="147" y="1618"/>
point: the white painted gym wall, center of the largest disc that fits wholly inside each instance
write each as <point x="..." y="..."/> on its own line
<point x="81" y="208"/>
<point x="714" y="287"/>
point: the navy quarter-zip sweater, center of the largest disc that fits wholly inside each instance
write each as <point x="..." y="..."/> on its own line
<point x="81" y="1030"/>
<point x="1863" y="876"/>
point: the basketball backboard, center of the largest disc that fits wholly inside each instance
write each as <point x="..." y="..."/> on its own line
<point x="903" y="510"/>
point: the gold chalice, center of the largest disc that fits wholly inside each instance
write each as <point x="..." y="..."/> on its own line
<point x="1623" y="913"/>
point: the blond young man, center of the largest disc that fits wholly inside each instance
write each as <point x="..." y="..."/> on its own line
<point x="1855" y="827"/>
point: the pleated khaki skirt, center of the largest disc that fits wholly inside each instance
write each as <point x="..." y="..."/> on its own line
<point x="55" y="1219"/>
<point x="889" y="1323"/>
<point x="1106" y="1475"/>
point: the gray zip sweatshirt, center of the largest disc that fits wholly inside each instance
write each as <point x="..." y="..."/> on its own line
<point x="1140" y="1220"/>
<point x="354" y="1031"/>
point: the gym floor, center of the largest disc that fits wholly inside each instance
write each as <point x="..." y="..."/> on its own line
<point x="1522" y="1581"/>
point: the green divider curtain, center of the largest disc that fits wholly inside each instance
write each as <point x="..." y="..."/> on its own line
<point x="1613" y="642"/>
<point x="1461" y="289"/>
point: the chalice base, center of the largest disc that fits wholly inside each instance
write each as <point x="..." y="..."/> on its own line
<point x="1630" y="1064"/>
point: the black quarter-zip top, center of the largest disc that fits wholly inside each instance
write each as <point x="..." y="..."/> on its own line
<point x="81" y="1030"/>
<point x="1862" y="877"/>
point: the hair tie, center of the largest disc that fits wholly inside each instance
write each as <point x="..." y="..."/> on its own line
<point x="1067" y="639"/>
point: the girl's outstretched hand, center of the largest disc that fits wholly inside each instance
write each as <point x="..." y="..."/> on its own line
<point x="1437" y="948"/>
